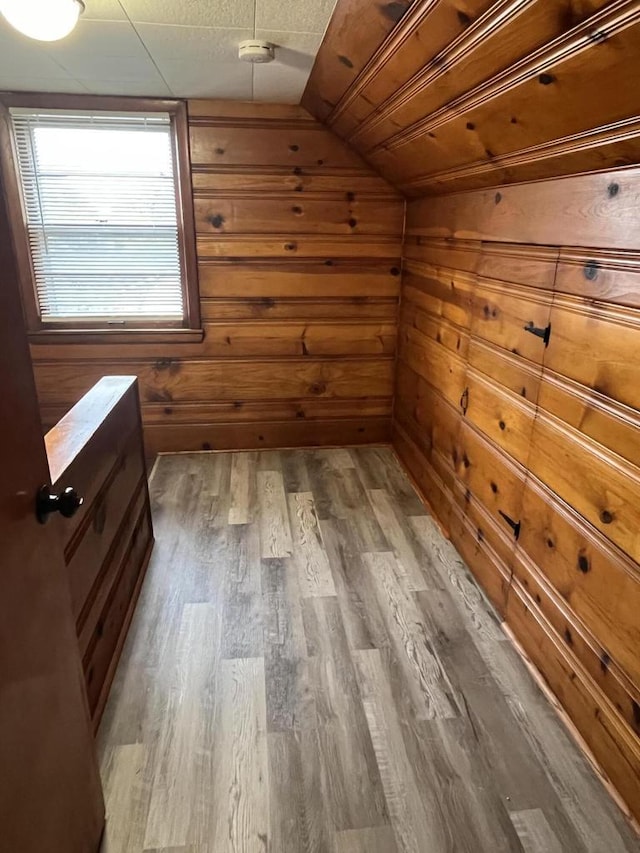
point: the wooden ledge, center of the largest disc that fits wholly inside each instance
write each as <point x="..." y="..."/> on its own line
<point x="117" y="336"/>
<point x="71" y="434"/>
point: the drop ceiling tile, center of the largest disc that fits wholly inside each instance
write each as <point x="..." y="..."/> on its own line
<point x="193" y="43"/>
<point x="194" y="13"/>
<point x="103" y="10"/>
<point x="15" y="82"/>
<point x="98" y="38"/>
<point x="152" y="88"/>
<point x="21" y="56"/>
<point x="207" y="80"/>
<point x="89" y="67"/>
<point x="294" y="50"/>
<point x="304" y="16"/>
<point x="279" y="84"/>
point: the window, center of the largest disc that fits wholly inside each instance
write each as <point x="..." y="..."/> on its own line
<point x="104" y="219"/>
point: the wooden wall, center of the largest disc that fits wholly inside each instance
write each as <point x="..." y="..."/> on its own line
<point x="517" y="389"/>
<point x="299" y="246"/>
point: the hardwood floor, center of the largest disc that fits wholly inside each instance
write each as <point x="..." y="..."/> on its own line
<point x="312" y="668"/>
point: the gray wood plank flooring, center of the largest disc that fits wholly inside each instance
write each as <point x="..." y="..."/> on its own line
<point x="312" y="669"/>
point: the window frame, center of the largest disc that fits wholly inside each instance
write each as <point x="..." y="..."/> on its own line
<point x="88" y="331"/>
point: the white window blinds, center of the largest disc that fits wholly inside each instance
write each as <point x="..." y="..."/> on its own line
<point x="100" y="202"/>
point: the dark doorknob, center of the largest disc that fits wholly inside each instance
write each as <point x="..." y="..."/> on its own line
<point x="67" y="503"/>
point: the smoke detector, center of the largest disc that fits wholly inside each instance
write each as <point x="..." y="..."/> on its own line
<point x="256" y="50"/>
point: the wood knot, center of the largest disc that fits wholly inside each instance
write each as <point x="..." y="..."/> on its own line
<point x="613" y="190"/>
<point x="297" y="170"/>
<point x="394" y="271"/>
<point x="464" y="19"/>
<point x="351" y="196"/>
<point x="502" y="425"/>
<point x="394" y="11"/>
<point x="345" y="61"/>
<point x="318" y="388"/>
<point x="290" y="247"/>
<point x="546" y="79"/>
<point x="294" y="148"/>
<point x="297" y="210"/>
<point x="219" y="151"/>
<point x="217" y="220"/>
<point x="606" y="517"/>
<point x="590" y="270"/>
<point x="494" y="488"/>
<point x="498" y="198"/>
<point x="352" y="222"/>
<point x="470" y="125"/>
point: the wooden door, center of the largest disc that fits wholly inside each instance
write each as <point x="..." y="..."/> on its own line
<point x="50" y="794"/>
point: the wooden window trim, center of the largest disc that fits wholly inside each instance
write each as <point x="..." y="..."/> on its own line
<point x="190" y="329"/>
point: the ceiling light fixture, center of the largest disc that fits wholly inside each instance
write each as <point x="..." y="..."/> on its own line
<point x="44" y="20"/>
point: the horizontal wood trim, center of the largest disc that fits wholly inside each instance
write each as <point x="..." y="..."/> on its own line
<point x="273" y="281"/>
<point x="317" y="246"/>
<point x="405" y="30"/>
<point x="586" y="585"/>
<point x="115" y="336"/>
<point x="590" y="210"/>
<point x="298" y="214"/>
<point x="235" y="112"/>
<point x="295" y="145"/>
<point x="165" y="438"/>
<point x="614" y="19"/>
<point x="597" y="149"/>
<point x="237" y="411"/>
<point x="611" y="740"/>
<point x="276" y="308"/>
<point x="242" y="339"/>
<point x="169" y="381"/>
<point x="451" y="56"/>
<point x="346" y="49"/>
<point x="247" y="182"/>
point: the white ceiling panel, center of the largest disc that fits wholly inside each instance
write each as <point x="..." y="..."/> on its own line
<point x="152" y="88"/>
<point x="279" y="83"/>
<point x="208" y="79"/>
<point x="98" y="38"/>
<point x="192" y="43"/>
<point x="12" y="82"/>
<point x="87" y="67"/>
<point x="104" y="10"/>
<point x="184" y="48"/>
<point x="311" y="16"/>
<point x="192" y="13"/>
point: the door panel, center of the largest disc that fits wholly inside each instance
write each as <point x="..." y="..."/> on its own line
<point x="50" y="795"/>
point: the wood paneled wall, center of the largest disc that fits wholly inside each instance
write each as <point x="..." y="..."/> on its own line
<point x="299" y="246"/>
<point x="517" y="414"/>
<point x="517" y="401"/>
<point x="480" y="93"/>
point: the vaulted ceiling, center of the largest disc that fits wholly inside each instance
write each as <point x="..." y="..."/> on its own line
<point x="184" y="48"/>
<point x="448" y="95"/>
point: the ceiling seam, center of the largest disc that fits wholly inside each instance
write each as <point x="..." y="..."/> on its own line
<point x="146" y="49"/>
